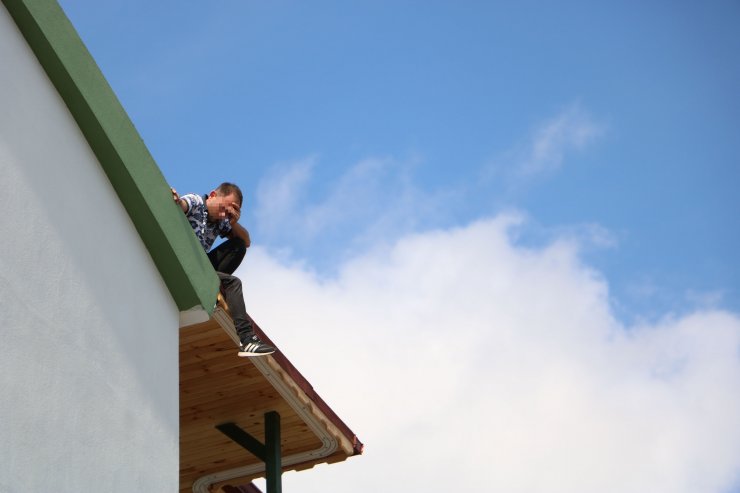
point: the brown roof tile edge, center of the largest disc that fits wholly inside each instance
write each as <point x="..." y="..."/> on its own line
<point x="307" y="388"/>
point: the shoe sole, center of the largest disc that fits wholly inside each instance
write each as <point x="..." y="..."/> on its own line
<point x="251" y="355"/>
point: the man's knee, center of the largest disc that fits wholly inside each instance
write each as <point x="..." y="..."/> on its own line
<point x="238" y="244"/>
<point x="229" y="280"/>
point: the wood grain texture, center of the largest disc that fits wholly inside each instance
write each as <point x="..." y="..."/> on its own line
<point x="216" y="387"/>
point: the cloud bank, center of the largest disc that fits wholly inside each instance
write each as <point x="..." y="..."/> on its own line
<point x="466" y="362"/>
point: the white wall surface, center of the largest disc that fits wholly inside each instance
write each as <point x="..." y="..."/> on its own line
<point x="88" y="330"/>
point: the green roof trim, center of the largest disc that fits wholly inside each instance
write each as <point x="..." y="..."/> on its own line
<point x="135" y="176"/>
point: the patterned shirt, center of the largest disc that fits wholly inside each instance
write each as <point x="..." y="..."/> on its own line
<point x="197" y="214"/>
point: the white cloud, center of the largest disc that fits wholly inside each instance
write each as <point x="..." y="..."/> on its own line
<point x="570" y="130"/>
<point x="544" y="151"/>
<point x="279" y="193"/>
<point x="351" y="196"/>
<point x="467" y="363"/>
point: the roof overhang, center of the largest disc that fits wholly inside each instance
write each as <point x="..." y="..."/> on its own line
<point x="217" y="387"/>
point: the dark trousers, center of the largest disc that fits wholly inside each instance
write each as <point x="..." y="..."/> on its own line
<point x="225" y="258"/>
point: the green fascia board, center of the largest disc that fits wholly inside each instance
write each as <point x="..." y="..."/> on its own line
<point x="135" y="176"/>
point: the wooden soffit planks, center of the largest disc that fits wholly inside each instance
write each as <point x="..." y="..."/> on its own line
<point x="217" y="387"/>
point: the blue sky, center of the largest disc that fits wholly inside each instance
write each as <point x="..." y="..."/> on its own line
<point x="452" y="93"/>
<point x="602" y="135"/>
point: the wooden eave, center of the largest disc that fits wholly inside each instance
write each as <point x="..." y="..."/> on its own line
<point x="218" y="387"/>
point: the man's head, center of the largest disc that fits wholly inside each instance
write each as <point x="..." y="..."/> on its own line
<point x="224" y="203"/>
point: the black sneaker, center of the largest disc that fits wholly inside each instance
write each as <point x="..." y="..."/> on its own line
<point x="253" y="346"/>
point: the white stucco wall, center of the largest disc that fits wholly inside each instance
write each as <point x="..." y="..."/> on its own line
<point x="88" y="330"/>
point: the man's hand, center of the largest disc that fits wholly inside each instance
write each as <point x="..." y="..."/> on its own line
<point x="178" y="200"/>
<point x="234" y="213"/>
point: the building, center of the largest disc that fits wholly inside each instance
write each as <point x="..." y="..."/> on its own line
<point x="116" y="367"/>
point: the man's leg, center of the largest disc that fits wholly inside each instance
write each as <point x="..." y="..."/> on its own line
<point x="228" y="255"/>
<point x="250" y="344"/>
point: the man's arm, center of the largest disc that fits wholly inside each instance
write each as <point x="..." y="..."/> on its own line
<point x="238" y="231"/>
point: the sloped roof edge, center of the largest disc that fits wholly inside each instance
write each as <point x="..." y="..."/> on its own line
<point x="295" y="380"/>
<point x="290" y="373"/>
<point x="121" y="152"/>
<point x="301" y="396"/>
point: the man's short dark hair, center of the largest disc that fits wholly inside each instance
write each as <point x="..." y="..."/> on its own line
<point x="227" y="188"/>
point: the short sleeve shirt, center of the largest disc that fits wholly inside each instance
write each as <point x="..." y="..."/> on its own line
<point x="197" y="214"/>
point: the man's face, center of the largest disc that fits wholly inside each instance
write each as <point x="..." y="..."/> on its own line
<point x="222" y="206"/>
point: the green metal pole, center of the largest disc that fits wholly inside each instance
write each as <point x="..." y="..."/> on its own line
<point x="273" y="462"/>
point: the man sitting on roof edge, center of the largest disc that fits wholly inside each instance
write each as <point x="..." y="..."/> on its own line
<point x="217" y="214"/>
